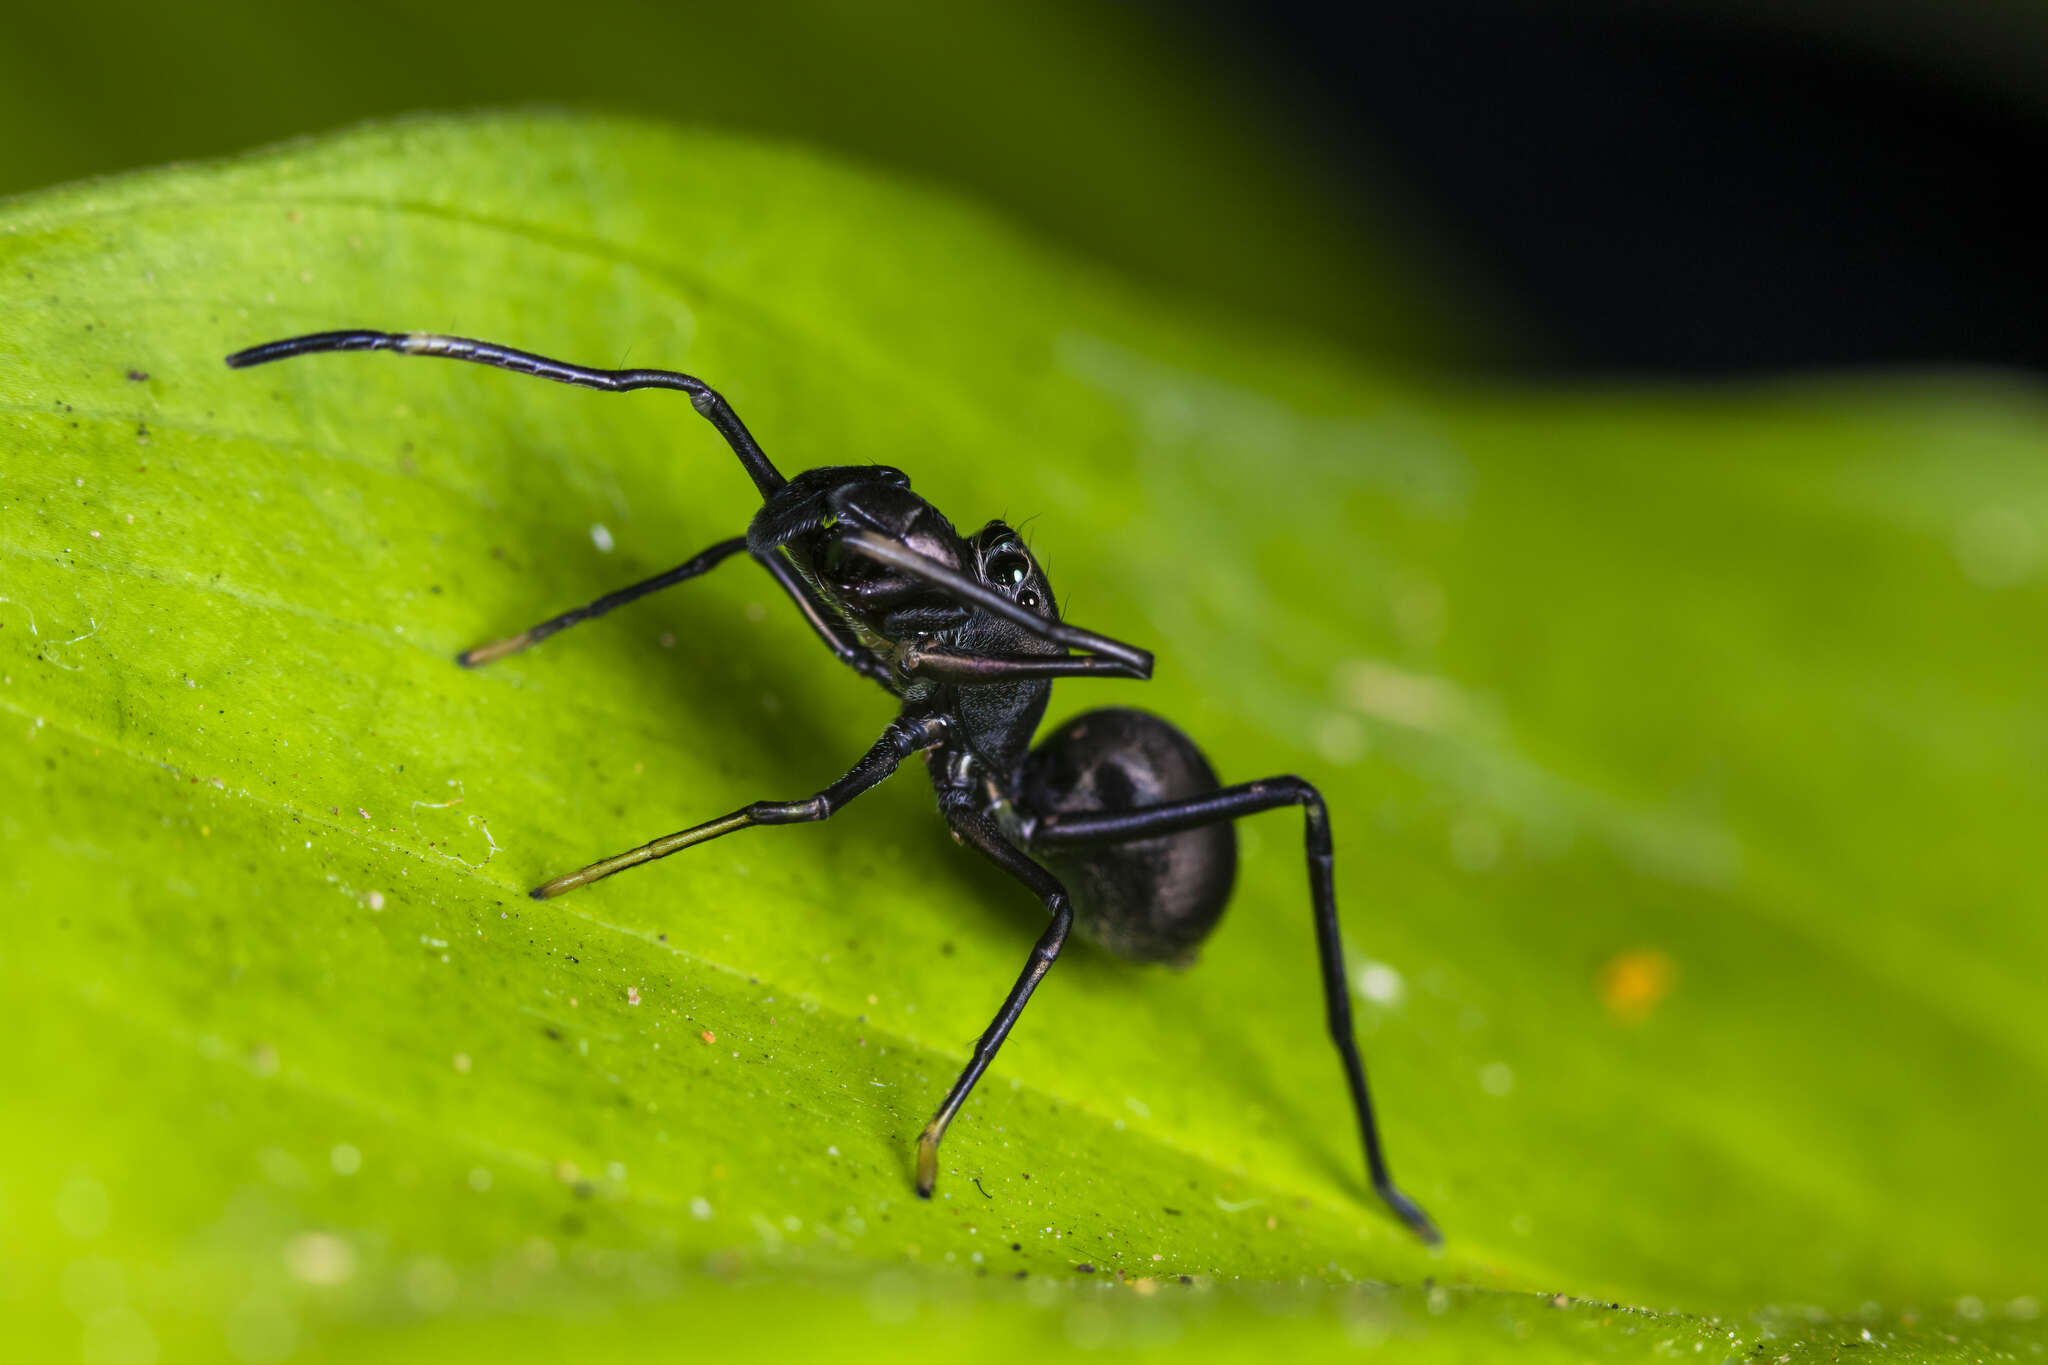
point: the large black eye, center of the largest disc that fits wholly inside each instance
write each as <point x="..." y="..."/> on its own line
<point x="1008" y="567"/>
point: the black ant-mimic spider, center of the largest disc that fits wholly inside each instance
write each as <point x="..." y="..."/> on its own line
<point x="1117" y="804"/>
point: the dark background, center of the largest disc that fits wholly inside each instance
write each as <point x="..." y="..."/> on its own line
<point x="1673" y="190"/>
<point x="1568" y="189"/>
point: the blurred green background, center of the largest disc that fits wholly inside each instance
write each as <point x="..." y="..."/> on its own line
<point x="1487" y="183"/>
<point x="1127" y="134"/>
<point x="1689" y="741"/>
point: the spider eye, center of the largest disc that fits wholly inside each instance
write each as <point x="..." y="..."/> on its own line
<point x="1008" y="567"/>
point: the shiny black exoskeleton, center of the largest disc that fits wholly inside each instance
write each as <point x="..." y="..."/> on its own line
<point x="1149" y="899"/>
<point x="1115" y="822"/>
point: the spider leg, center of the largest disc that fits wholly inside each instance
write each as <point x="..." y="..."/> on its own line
<point x="1231" y="803"/>
<point x="786" y="578"/>
<point x="533" y="635"/>
<point x="707" y="400"/>
<point x="828" y="629"/>
<point x="904" y="737"/>
<point x="978" y="830"/>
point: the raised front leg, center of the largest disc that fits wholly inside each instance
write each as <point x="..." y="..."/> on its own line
<point x="978" y="830"/>
<point x="1231" y="803"/>
<point x="708" y="402"/>
<point x="904" y="737"/>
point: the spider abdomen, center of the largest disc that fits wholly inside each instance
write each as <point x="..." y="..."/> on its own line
<point x="1151" y="900"/>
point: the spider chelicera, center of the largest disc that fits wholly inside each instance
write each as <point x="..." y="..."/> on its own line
<point x="1116" y="821"/>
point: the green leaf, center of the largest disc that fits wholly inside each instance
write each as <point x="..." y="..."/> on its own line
<point x="1685" y="755"/>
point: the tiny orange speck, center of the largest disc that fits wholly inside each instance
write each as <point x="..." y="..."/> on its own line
<point x="1632" y="983"/>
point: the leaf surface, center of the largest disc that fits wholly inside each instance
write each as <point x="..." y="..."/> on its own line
<point x="1685" y="754"/>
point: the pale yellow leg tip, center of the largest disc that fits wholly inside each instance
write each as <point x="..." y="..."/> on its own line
<point x="497" y="649"/>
